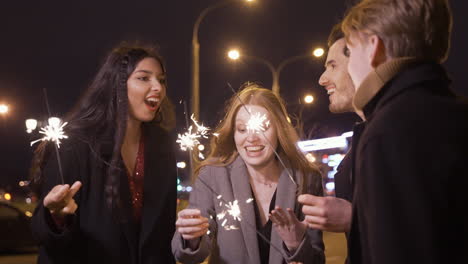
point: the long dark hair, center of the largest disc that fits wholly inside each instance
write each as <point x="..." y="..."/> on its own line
<point x="99" y="118"/>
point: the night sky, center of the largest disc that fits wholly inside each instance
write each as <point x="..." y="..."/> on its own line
<point x="59" y="45"/>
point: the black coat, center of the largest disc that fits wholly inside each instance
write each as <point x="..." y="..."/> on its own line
<point x="343" y="176"/>
<point x="94" y="234"/>
<point x="410" y="171"/>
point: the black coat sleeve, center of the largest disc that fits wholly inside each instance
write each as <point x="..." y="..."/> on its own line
<point x="52" y="239"/>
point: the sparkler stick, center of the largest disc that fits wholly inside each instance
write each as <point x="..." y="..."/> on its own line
<point x="57" y="140"/>
<point x="260" y="130"/>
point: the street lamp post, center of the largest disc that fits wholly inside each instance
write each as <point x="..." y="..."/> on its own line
<point x="196" y="55"/>
<point x="275" y="72"/>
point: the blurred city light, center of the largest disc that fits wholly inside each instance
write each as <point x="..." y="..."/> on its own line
<point x="234" y="54"/>
<point x="308" y="99"/>
<point x="201" y="147"/>
<point x="310" y="157"/>
<point x="7" y="196"/>
<point x="54" y="121"/>
<point x="31" y="124"/>
<point x="323" y="143"/>
<point x="318" y="52"/>
<point x="330" y="186"/>
<point x="4" y="109"/>
<point x="181" y="164"/>
<point x="28" y="214"/>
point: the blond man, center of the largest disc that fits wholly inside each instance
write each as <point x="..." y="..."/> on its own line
<point x="414" y="143"/>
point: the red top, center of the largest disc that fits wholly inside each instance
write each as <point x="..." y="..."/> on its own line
<point x="135" y="181"/>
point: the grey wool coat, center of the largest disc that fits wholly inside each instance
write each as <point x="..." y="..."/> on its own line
<point x="232" y="241"/>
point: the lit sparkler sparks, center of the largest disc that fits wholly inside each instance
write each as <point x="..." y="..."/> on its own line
<point x="232" y="210"/>
<point x="191" y="139"/>
<point x="201" y="129"/>
<point x="52" y="132"/>
<point x="257" y="123"/>
<point x="188" y="140"/>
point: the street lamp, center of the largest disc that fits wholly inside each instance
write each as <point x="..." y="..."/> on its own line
<point x="196" y="54"/>
<point x="318" y="52"/>
<point x="4" y="109"/>
<point x="31" y="124"/>
<point x="308" y="99"/>
<point x="275" y="72"/>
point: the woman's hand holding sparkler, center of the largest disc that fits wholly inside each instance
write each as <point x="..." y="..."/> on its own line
<point x="289" y="228"/>
<point x="60" y="200"/>
<point x="192" y="225"/>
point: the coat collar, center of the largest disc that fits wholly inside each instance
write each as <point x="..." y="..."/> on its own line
<point x="243" y="192"/>
<point x="375" y="80"/>
<point x="411" y="75"/>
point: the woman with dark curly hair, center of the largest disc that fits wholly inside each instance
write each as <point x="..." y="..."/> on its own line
<point x="118" y="202"/>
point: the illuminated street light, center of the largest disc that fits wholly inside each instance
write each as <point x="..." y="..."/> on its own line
<point x="196" y="53"/>
<point x="31" y="124"/>
<point x="318" y="52"/>
<point x="54" y="121"/>
<point x="4" y="109"/>
<point x="201" y="147"/>
<point x="308" y="99"/>
<point x="275" y="72"/>
<point x="234" y="54"/>
<point x="7" y="196"/>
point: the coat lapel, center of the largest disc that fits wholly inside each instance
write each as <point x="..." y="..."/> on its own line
<point x="126" y="213"/>
<point x="242" y="192"/>
<point x="285" y="198"/>
<point x="158" y="167"/>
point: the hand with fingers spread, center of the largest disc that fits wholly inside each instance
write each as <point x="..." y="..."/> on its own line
<point x="192" y="225"/>
<point x="326" y="213"/>
<point x="290" y="229"/>
<point x="60" y="200"/>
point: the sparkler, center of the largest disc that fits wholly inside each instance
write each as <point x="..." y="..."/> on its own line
<point x="188" y="140"/>
<point x="53" y="132"/>
<point x="191" y="139"/>
<point x="233" y="210"/>
<point x="257" y="123"/>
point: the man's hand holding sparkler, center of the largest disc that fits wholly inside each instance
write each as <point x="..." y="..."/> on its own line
<point x="192" y="225"/>
<point x="60" y="200"/>
<point x="289" y="228"/>
<point x="326" y="213"/>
